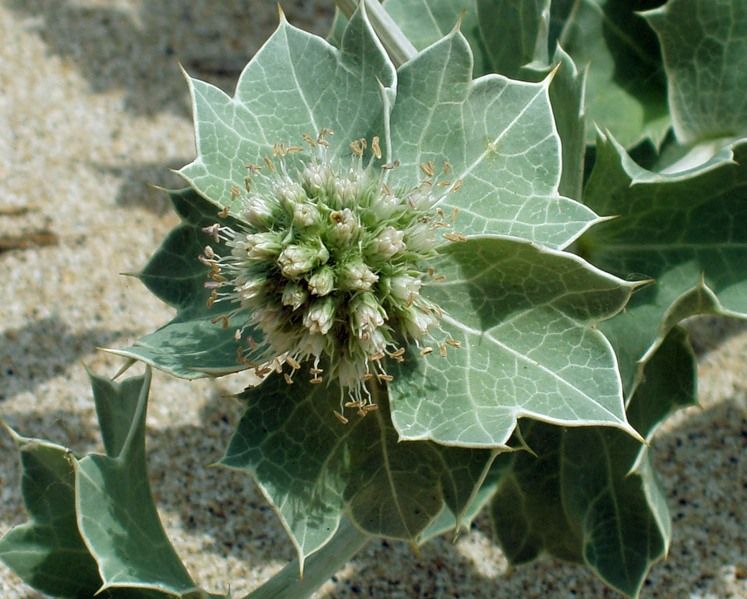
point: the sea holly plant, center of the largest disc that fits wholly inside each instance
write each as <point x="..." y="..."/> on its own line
<point x="405" y="238"/>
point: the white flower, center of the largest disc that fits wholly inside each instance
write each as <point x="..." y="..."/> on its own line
<point x="258" y="212"/>
<point x="322" y="281"/>
<point x="315" y="177"/>
<point x="261" y="246"/>
<point x="305" y="215"/>
<point x="356" y="276"/>
<point x="328" y="264"/>
<point x="418" y="321"/>
<point x="404" y="288"/>
<point x="296" y="260"/>
<point x="294" y="295"/>
<point x="366" y="314"/>
<point x="389" y="242"/>
<point x="344" y="225"/>
<point x="319" y="318"/>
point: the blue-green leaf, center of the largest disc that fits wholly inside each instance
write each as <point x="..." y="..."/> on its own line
<point x="591" y="495"/>
<point x="525" y="318"/>
<point x="296" y="84"/>
<point x="687" y="230"/>
<point x="495" y="137"/>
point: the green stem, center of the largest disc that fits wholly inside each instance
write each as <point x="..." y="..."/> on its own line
<point x="320" y="566"/>
<point x="399" y="48"/>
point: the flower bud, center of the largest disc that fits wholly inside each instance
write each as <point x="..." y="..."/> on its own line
<point x="420" y="238"/>
<point x="344" y="227"/>
<point x="374" y="342"/>
<point x="389" y="242"/>
<point x="251" y="289"/>
<point x="346" y="189"/>
<point x="296" y="260"/>
<point x="261" y="246"/>
<point x="366" y="314"/>
<point x="294" y="295"/>
<point x="258" y="212"/>
<point x="383" y="207"/>
<point x="404" y="288"/>
<point x="315" y="177"/>
<point x="322" y="282"/>
<point x="305" y="215"/>
<point x="289" y="193"/>
<point x="417" y="321"/>
<point x="356" y="276"/>
<point x="319" y="317"/>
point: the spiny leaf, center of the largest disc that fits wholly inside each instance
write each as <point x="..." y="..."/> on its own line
<point x="524" y="318"/>
<point x="567" y="93"/>
<point x="50" y="552"/>
<point x="686" y="230"/>
<point x="514" y="33"/>
<point x="296" y="84"/>
<point x="47" y="552"/>
<point x="626" y="91"/>
<point x="199" y="341"/>
<point x="116" y="514"/>
<point x="704" y="46"/>
<point x="495" y="138"/>
<point x="425" y="22"/>
<point x="313" y="469"/>
<point x="592" y="495"/>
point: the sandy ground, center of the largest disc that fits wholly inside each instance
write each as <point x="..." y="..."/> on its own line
<point x="93" y="108"/>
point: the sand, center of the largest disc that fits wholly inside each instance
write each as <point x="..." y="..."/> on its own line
<point x="93" y="109"/>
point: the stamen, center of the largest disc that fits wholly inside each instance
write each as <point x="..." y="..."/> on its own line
<point x="340" y="417"/>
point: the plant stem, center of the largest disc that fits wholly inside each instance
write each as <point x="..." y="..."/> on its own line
<point x="399" y="48"/>
<point x="320" y="566"/>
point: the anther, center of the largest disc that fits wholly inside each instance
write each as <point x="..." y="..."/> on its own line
<point x="454" y="236"/>
<point x="235" y="193"/>
<point x="340" y="417"/>
<point x="222" y="319"/>
<point x="212" y="231"/>
<point x="375" y="147"/>
<point x="269" y="164"/>
<point x="324" y="132"/>
<point x="288" y="378"/>
<point x="453" y="343"/>
<point x="442" y="350"/>
<point x="292" y="363"/>
<point x="212" y="298"/>
<point x="427" y="168"/>
<point x="309" y="140"/>
<point x="425" y="351"/>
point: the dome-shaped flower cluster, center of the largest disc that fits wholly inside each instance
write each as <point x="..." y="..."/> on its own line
<point x="329" y="263"/>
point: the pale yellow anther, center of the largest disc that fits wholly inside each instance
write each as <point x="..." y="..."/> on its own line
<point x="375" y="147"/>
<point x="340" y="417"/>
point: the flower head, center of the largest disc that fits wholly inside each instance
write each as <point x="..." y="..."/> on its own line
<point x="329" y="263"/>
